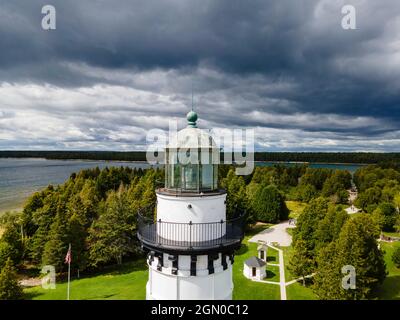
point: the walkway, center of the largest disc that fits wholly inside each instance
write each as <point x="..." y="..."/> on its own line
<point x="275" y="234"/>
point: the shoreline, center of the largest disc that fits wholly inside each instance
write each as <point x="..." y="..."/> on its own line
<point x="13" y="210"/>
<point x="323" y="163"/>
<point x="145" y="162"/>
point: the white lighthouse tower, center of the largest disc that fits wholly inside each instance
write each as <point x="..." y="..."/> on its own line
<point x="190" y="242"/>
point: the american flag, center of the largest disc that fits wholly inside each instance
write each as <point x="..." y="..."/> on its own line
<point x="68" y="256"/>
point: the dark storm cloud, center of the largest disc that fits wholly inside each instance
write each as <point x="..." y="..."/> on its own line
<point x="283" y="64"/>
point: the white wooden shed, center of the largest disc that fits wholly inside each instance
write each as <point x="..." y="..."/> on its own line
<point x="254" y="268"/>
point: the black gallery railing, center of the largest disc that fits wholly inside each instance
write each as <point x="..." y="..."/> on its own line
<point x="190" y="236"/>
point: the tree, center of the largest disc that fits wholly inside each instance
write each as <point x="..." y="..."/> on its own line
<point x="112" y="236"/>
<point x="396" y="256"/>
<point x="357" y="247"/>
<point x="251" y="191"/>
<point x="386" y="216"/>
<point x="236" y="200"/>
<point x="370" y="197"/>
<point x="56" y="247"/>
<point x="329" y="227"/>
<point x="396" y="201"/>
<point x="306" y="192"/>
<point x="308" y="220"/>
<point x="11" y="245"/>
<point x="77" y="234"/>
<point x="316" y="177"/>
<point x="335" y="184"/>
<point x="9" y="286"/>
<point x="269" y="204"/>
<point x="327" y="280"/>
<point x="301" y="263"/>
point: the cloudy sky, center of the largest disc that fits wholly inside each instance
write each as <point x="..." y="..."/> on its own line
<point x="112" y="70"/>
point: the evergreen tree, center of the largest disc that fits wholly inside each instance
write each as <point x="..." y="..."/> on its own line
<point x="386" y="216"/>
<point x="328" y="278"/>
<point x="308" y="220"/>
<point x="301" y="263"/>
<point x="236" y="201"/>
<point x="396" y="256"/>
<point x="306" y="192"/>
<point x="11" y="244"/>
<point x="112" y="236"/>
<point x="77" y="234"/>
<point x="357" y="247"/>
<point x="329" y="227"/>
<point x="9" y="286"/>
<point x="56" y="247"/>
<point x="269" y="205"/>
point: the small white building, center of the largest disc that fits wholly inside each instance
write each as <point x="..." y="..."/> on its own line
<point x="254" y="268"/>
<point x="262" y="251"/>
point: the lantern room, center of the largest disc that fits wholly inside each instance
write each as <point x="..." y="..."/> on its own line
<point x="191" y="160"/>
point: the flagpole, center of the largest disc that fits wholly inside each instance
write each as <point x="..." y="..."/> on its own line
<point x="69" y="272"/>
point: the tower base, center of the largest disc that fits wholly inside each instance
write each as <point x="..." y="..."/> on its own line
<point x="209" y="280"/>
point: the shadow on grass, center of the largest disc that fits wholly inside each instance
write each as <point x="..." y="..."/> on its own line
<point x="102" y="297"/>
<point x="270" y="274"/>
<point x="390" y="289"/>
<point x="30" y="295"/>
<point x="243" y="249"/>
<point x="272" y="259"/>
<point x="308" y="282"/>
<point x="251" y="231"/>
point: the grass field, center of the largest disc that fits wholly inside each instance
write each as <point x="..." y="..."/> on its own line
<point x="129" y="281"/>
<point x="126" y="283"/>
<point x="246" y="289"/>
<point x="295" y="208"/>
<point x="390" y="289"/>
<point x="392" y="234"/>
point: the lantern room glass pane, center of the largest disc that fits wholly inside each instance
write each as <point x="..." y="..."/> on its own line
<point x="207" y="177"/>
<point x="215" y="182"/>
<point x="190" y="177"/>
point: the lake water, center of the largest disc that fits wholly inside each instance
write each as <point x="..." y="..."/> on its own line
<point x="19" y="178"/>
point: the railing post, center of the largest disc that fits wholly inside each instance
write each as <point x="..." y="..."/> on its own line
<point x="222" y="221"/>
<point x="158" y="233"/>
<point x="190" y="234"/>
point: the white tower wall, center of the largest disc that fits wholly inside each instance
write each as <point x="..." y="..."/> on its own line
<point x="162" y="285"/>
<point x="210" y="208"/>
<point x="206" y="209"/>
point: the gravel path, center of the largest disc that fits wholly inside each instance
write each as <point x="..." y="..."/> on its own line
<point x="277" y="234"/>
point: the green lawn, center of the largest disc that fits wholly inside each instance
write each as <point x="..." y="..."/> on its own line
<point x="272" y="256"/>
<point x="392" y="234"/>
<point x="286" y="257"/>
<point x="128" y="283"/>
<point x="390" y="289"/>
<point x="297" y="291"/>
<point x="249" y="290"/>
<point x="295" y="208"/>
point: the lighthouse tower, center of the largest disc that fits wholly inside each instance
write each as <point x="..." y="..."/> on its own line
<point x="190" y="241"/>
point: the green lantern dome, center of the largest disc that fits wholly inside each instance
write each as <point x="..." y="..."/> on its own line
<point x="192" y="118"/>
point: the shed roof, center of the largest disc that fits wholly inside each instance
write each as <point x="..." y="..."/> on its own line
<point x="262" y="247"/>
<point x="255" y="262"/>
